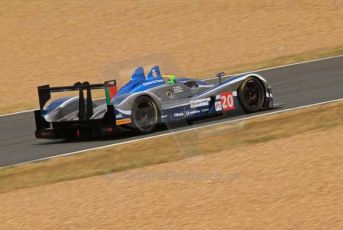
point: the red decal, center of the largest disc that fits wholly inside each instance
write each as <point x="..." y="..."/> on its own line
<point x="111" y="88"/>
<point x="113" y="91"/>
<point x="227" y="101"/>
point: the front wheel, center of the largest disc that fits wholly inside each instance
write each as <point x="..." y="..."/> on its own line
<point x="145" y="114"/>
<point x="252" y="95"/>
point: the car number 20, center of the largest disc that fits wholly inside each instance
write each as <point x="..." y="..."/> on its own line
<point x="227" y="101"/>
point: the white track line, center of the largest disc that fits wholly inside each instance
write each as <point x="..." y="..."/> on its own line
<point x="258" y="70"/>
<point x="176" y="132"/>
<point x="283" y="66"/>
<point x="15" y="113"/>
<point x="292" y="64"/>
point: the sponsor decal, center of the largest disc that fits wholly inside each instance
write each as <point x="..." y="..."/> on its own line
<point x="227" y="101"/>
<point x="123" y="121"/>
<point x="153" y="82"/>
<point x="200" y="102"/>
<point x="119" y="116"/>
<point x="176" y="115"/>
<point x="218" y="106"/>
<point x="178" y="89"/>
<point x="189" y="113"/>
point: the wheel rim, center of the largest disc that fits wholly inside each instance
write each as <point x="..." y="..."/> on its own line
<point x="146" y="115"/>
<point x="252" y="94"/>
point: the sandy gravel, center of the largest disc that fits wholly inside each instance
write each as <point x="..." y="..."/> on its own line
<point x="61" y="42"/>
<point x="290" y="183"/>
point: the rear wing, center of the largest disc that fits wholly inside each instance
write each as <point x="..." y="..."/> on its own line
<point x="85" y="105"/>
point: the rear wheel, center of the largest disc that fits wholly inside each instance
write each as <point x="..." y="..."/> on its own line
<point x="252" y="95"/>
<point x="145" y="114"/>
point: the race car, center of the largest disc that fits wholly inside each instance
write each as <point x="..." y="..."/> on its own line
<point x="144" y="102"/>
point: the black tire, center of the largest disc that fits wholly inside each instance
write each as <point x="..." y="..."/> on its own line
<point x="252" y="95"/>
<point x="145" y="114"/>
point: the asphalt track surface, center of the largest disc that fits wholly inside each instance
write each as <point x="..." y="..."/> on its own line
<point x="295" y="85"/>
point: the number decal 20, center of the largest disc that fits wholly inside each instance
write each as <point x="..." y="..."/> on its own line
<point x="227" y="101"/>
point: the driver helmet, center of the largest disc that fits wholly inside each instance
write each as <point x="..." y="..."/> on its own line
<point x="170" y="78"/>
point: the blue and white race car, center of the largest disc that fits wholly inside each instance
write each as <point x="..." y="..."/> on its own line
<point x="145" y="102"/>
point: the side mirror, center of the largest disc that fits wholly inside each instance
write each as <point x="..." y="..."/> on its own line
<point x="219" y="76"/>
